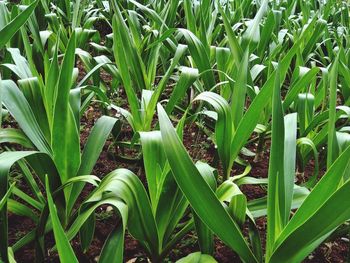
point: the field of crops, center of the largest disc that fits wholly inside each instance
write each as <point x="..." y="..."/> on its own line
<point x="174" y="131"/>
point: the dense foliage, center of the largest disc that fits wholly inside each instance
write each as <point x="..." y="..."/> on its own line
<point x="268" y="79"/>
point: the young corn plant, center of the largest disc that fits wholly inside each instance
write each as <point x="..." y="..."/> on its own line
<point x="153" y="217"/>
<point x="235" y="126"/>
<point x="48" y="26"/>
<point x="150" y="217"/>
<point x="8" y="28"/>
<point x="287" y="240"/>
<point x="48" y="113"/>
<point x="139" y="77"/>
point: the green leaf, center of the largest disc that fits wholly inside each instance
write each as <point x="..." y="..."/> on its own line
<point x="65" y="137"/>
<point x="318" y="216"/>
<point x="10" y="135"/>
<point x="91" y="152"/>
<point x="154" y="161"/>
<point x="11" y="28"/>
<point x="276" y="186"/>
<point x="20" y="109"/>
<point x="114" y="245"/>
<point x="200" y="57"/>
<point x="198" y="258"/>
<point x="252" y="34"/>
<point x="6" y="196"/>
<point x="238" y="206"/>
<point x="252" y="115"/>
<point x="7" y="159"/>
<point x="234" y="45"/>
<point x="205" y="235"/>
<point x="198" y="192"/>
<point x="223" y="128"/>
<point x="290" y="145"/>
<point x="332" y="145"/>
<point x="239" y="92"/>
<point x="187" y="77"/>
<point x="125" y="185"/>
<point x="65" y="250"/>
<point x="121" y="47"/>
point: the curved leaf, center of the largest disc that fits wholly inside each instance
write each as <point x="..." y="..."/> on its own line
<point x="65" y="251"/>
<point x="198" y="192"/>
<point x="10" y="135"/>
<point x="11" y="28"/>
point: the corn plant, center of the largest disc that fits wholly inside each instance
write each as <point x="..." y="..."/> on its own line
<point x="286" y="240"/>
<point x="137" y="78"/>
<point x="40" y="106"/>
<point x="150" y="217"/>
<point x="9" y="28"/>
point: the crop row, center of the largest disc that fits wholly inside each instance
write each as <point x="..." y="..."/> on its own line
<point x="265" y="81"/>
